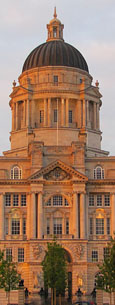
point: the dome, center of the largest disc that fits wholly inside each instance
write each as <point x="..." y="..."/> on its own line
<point x="55" y="53"/>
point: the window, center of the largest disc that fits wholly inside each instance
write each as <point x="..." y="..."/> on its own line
<point x="20" y="255"/>
<point x="6" y="226"/>
<point x="100" y="226"/>
<point x="55" y="79"/>
<point x="48" y="202"/>
<point x="41" y="116"/>
<point x="7" y="200"/>
<point x="67" y="226"/>
<point x="66" y="202"/>
<point x="70" y="116"/>
<point x="55" y="115"/>
<point x="108" y="226"/>
<point x="9" y="254"/>
<point x="98" y="173"/>
<point x="15" y="200"/>
<point x="94" y="256"/>
<point x="54" y="32"/>
<point x="16" y="173"/>
<point x="107" y="200"/>
<point x="91" y="200"/>
<point x="57" y="200"/>
<point x="15" y="226"/>
<point x="57" y="226"/>
<point x="48" y="225"/>
<point x="105" y="252"/>
<point x="24" y="226"/>
<point x="99" y="200"/>
<point x="23" y="200"/>
<point x="91" y="225"/>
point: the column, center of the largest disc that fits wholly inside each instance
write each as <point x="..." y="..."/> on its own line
<point x="16" y="115"/>
<point x="82" y="216"/>
<point x="33" y="216"/>
<point x="113" y="214"/>
<point x="84" y="113"/>
<point x="28" y="232"/>
<point x="87" y="105"/>
<point x="98" y="114"/>
<point x="45" y="112"/>
<point x="49" y="112"/>
<point x="28" y="113"/>
<point x="1" y="216"/>
<point x="40" y="216"/>
<point x="62" y="112"/>
<point x="95" y="114"/>
<point x="75" y="215"/>
<point x="9" y="226"/>
<point x="12" y="107"/>
<point x="67" y="112"/>
<point x="87" y="218"/>
<point x="24" y="119"/>
<point x="51" y="225"/>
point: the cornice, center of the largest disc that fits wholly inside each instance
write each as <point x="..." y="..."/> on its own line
<point x="101" y="182"/>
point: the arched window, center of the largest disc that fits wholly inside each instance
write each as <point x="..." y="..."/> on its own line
<point x="16" y="173"/>
<point x="98" y="173"/>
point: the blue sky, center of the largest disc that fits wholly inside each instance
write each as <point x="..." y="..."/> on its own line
<point x="88" y="25"/>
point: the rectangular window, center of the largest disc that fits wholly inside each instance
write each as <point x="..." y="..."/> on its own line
<point x="94" y="256"/>
<point x="99" y="200"/>
<point x="20" y="255"/>
<point x="67" y="226"/>
<point x="9" y="254"/>
<point x="57" y="200"/>
<point x="48" y="202"/>
<point x="70" y="116"/>
<point x="107" y="200"/>
<point x="15" y="226"/>
<point x="57" y="226"/>
<point x="41" y="116"/>
<point x="91" y="226"/>
<point x="105" y="252"/>
<point x="24" y="226"/>
<point x="7" y="200"/>
<point x="23" y="200"/>
<point x="55" y="115"/>
<point x="91" y="200"/>
<point x="55" y="79"/>
<point x="108" y="226"/>
<point x="6" y="226"/>
<point x="48" y="226"/>
<point x="15" y="200"/>
<point x="99" y="226"/>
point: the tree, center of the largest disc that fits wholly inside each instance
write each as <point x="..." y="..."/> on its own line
<point x="9" y="278"/>
<point x="54" y="269"/>
<point x="105" y="279"/>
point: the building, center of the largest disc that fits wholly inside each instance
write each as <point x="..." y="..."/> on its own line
<point x="56" y="179"/>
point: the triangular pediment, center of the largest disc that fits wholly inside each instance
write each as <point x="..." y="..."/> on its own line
<point x="20" y="91"/>
<point x="58" y="171"/>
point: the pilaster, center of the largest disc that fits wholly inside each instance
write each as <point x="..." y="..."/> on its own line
<point x="82" y="216"/>
<point x="40" y="216"/>
<point x="67" y="112"/>
<point x="75" y="215"/>
<point x="1" y="216"/>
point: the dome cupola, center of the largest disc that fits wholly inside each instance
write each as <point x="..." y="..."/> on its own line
<point x="55" y="52"/>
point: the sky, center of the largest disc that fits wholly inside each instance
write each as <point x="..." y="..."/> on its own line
<point x="89" y="25"/>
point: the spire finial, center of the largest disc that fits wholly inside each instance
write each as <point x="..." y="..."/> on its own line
<point x="55" y="14"/>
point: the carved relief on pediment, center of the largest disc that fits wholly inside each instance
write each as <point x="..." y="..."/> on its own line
<point x="57" y="174"/>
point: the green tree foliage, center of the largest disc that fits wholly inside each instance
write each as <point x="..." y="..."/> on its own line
<point x="54" y="267"/>
<point x="9" y="278"/>
<point x="106" y="277"/>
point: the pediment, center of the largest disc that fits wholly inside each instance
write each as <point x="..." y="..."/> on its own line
<point x="18" y="91"/>
<point x="94" y="91"/>
<point x="58" y="171"/>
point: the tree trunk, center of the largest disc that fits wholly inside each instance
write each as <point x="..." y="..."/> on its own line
<point x="54" y="296"/>
<point x="59" y="299"/>
<point x="8" y="297"/>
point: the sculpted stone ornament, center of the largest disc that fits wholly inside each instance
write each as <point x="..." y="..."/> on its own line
<point x="79" y="251"/>
<point x="37" y="250"/>
<point x="57" y="174"/>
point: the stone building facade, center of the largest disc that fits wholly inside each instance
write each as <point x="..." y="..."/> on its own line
<point x="56" y="179"/>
